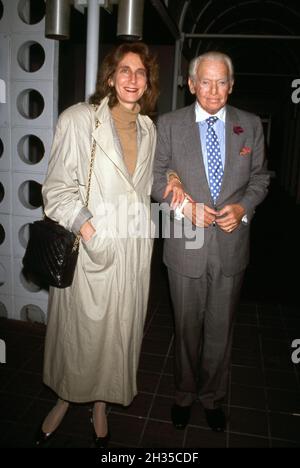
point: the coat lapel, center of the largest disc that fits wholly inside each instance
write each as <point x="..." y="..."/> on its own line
<point x="107" y="141"/>
<point x="144" y="149"/>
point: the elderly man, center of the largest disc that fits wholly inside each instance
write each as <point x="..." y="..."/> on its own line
<point x="217" y="152"/>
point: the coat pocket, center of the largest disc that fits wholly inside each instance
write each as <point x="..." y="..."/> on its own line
<point x="99" y="253"/>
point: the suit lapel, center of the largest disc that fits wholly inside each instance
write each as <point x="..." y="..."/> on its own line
<point x="231" y="147"/>
<point x="194" y="154"/>
<point x="194" y="151"/>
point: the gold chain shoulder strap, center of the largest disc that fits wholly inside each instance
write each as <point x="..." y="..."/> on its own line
<point x="93" y="153"/>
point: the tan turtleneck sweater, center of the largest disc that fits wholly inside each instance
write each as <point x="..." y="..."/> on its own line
<point x="125" y="123"/>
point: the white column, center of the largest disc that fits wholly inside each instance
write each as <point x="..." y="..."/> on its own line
<point x="92" y="47"/>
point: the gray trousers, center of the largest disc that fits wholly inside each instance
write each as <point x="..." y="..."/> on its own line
<point x="204" y="310"/>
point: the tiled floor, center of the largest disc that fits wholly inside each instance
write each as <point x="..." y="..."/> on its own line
<point x="264" y="394"/>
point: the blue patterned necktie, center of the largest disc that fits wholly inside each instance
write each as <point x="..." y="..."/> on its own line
<point x="214" y="161"/>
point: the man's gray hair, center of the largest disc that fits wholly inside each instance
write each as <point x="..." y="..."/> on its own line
<point x="213" y="55"/>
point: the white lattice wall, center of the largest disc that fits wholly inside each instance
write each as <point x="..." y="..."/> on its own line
<point x="28" y="112"/>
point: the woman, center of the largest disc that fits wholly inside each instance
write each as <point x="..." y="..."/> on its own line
<point x="95" y="326"/>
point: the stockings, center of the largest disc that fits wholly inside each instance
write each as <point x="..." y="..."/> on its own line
<point x="55" y="417"/>
<point x="99" y="419"/>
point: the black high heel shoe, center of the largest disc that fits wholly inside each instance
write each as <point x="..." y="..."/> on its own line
<point x="42" y="438"/>
<point x="100" y="442"/>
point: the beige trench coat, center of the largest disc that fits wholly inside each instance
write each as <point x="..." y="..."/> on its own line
<point x="95" y="327"/>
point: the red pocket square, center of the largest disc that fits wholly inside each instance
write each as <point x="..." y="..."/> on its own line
<point x="245" y="150"/>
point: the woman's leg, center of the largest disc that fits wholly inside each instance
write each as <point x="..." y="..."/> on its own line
<point x="55" y="417"/>
<point x="99" y="419"/>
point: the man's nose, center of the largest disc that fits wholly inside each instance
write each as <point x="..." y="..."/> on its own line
<point x="214" y="88"/>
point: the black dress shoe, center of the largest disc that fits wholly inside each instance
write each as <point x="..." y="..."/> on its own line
<point x="216" y="419"/>
<point x="180" y="415"/>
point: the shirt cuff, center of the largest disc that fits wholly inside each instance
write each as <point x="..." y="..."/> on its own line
<point x="83" y="216"/>
<point x="245" y="219"/>
<point x="178" y="210"/>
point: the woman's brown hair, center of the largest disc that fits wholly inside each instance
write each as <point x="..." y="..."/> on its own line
<point x="109" y="66"/>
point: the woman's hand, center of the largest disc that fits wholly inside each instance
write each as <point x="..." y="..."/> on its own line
<point x="199" y="214"/>
<point x="176" y="187"/>
<point x="87" y="231"/>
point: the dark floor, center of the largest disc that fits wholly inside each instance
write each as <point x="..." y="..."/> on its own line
<point x="264" y="394"/>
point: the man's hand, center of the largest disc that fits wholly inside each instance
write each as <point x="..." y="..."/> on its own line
<point x="230" y="217"/>
<point x="87" y="231"/>
<point x="176" y="187"/>
<point x="199" y="214"/>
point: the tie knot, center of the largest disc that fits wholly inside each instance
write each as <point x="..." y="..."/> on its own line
<point x="211" y="121"/>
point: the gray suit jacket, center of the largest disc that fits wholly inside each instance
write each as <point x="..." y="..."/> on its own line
<point x="245" y="181"/>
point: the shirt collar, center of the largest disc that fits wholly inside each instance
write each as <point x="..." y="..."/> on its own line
<point x="202" y="115"/>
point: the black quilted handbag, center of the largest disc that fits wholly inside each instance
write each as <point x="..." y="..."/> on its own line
<point x="52" y="251"/>
<point x="51" y="254"/>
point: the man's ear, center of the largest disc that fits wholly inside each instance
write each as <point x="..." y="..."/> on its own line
<point x="191" y="86"/>
<point x="231" y="87"/>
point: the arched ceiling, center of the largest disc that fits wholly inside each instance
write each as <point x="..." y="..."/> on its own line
<point x="215" y="15"/>
<point x="166" y="20"/>
<point x="242" y="17"/>
<point x="274" y="23"/>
